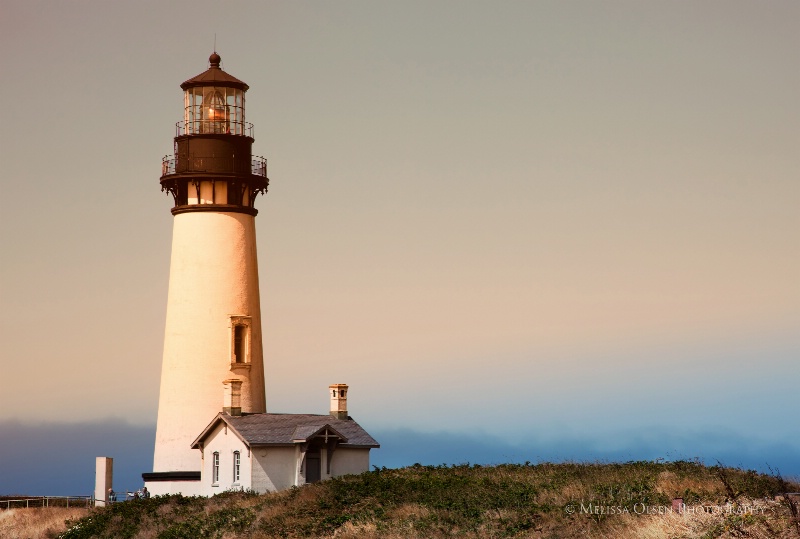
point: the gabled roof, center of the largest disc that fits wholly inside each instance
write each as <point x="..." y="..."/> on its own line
<point x="215" y="76"/>
<point x="304" y="433"/>
<point x="289" y="429"/>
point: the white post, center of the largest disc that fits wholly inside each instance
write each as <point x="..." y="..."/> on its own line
<point x="103" y="480"/>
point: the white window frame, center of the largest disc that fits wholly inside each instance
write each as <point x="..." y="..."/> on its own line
<point x="237" y="466"/>
<point x="215" y="468"/>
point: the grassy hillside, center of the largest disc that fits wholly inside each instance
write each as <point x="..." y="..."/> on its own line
<point x="36" y="522"/>
<point x="632" y="500"/>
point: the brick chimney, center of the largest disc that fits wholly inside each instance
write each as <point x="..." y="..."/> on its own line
<point x="338" y="400"/>
<point x="232" y="399"/>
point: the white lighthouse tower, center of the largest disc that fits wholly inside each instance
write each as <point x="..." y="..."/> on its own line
<point x="213" y="326"/>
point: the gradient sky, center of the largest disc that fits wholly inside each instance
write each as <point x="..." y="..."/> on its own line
<point x="526" y="221"/>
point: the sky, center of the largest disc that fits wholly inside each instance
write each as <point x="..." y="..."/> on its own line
<point x="540" y="230"/>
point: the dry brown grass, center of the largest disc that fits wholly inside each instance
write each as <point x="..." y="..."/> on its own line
<point x="670" y="484"/>
<point x="769" y="521"/>
<point x="471" y="502"/>
<point x="408" y="511"/>
<point x="38" y="522"/>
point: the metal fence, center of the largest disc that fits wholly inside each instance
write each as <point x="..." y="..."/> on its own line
<point x="47" y="501"/>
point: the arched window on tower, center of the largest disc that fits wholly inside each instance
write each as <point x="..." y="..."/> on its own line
<point x="238" y="344"/>
<point x="240" y="340"/>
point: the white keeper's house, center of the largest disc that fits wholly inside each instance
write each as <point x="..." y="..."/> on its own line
<point x="269" y="452"/>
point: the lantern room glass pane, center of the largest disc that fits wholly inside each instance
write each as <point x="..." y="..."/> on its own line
<point x="230" y="100"/>
<point x="212" y="109"/>
<point x="198" y="109"/>
<point x="215" y="113"/>
<point x="192" y="110"/>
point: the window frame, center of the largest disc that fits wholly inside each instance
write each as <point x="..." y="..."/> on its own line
<point x="215" y="468"/>
<point x="246" y="340"/>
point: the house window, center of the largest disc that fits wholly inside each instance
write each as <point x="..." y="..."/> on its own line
<point x="215" y="469"/>
<point x="240" y="340"/>
<point x="237" y="459"/>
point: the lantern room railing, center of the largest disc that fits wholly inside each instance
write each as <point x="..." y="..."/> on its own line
<point x="203" y="127"/>
<point x="172" y="165"/>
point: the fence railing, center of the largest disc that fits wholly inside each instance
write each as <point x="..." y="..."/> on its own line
<point x="172" y="165"/>
<point x="205" y="127"/>
<point x="63" y="501"/>
<point x="47" y="501"/>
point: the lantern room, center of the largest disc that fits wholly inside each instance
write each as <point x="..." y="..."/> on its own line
<point x="212" y="167"/>
<point x="214" y="103"/>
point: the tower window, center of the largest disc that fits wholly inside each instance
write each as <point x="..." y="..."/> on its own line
<point x="238" y="344"/>
<point x="240" y="340"/>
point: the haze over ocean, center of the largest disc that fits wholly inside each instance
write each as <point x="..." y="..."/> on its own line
<point x="519" y="231"/>
<point x="68" y="471"/>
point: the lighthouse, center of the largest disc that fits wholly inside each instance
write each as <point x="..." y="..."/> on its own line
<point x="212" y="337"/>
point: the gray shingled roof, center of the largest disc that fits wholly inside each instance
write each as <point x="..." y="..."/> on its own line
<point x="283" y="429"/>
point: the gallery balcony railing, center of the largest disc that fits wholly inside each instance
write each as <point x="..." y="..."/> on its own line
<point x="256" y="166"/>
<point x="204" y="127"/>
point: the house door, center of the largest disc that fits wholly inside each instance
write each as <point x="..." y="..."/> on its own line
<point x="313" y="469"/>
